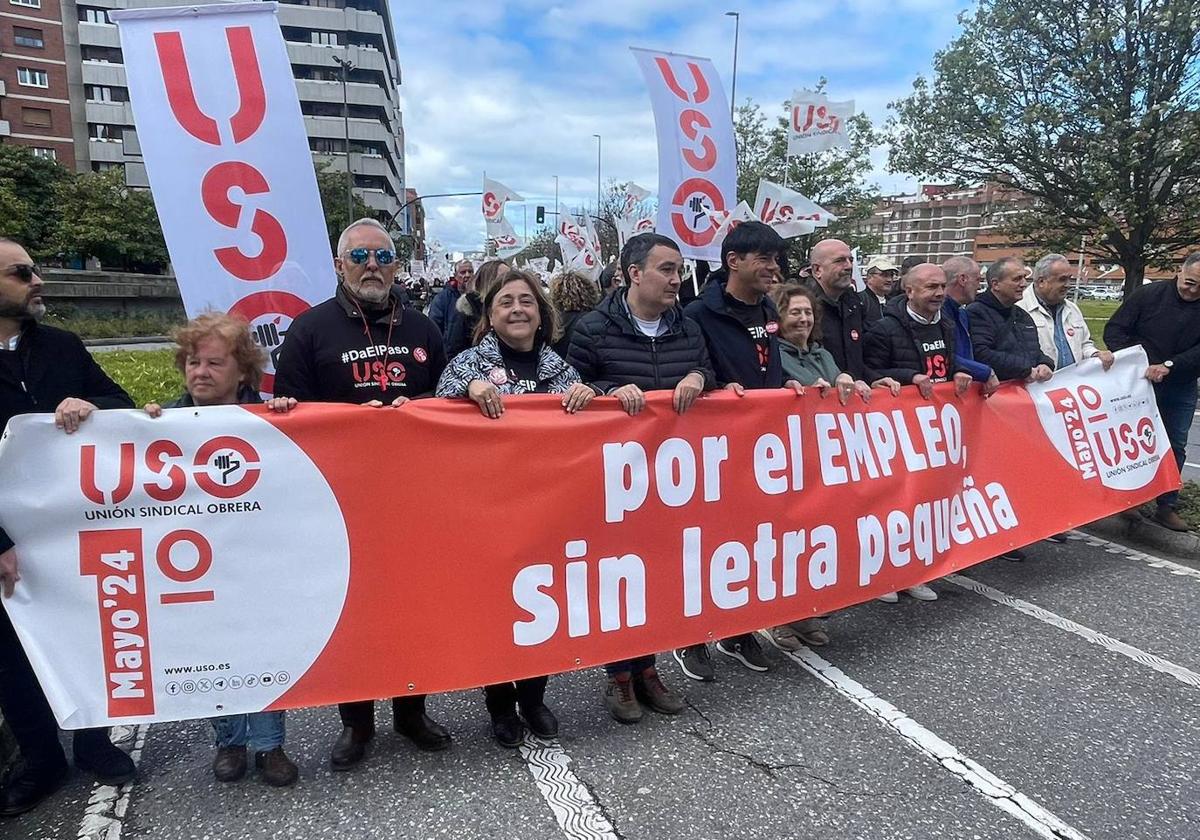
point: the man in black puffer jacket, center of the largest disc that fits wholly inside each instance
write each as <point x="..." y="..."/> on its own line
<point x="637" y="340"/>
<point x="1003" y="335"/>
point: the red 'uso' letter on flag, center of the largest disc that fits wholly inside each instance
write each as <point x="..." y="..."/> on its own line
<point x="226" y="154"/>
<point x="697" y="168"/>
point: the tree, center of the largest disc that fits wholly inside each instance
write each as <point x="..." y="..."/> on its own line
<point x="28" y="209"/>
<point x="834" y="179"/>
<point x="1092" y="109"/>
<point x="101" y="217"/>
<point x="331" y="184"/>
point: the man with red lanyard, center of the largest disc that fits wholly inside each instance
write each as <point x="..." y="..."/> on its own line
<point x="365" y="346"/>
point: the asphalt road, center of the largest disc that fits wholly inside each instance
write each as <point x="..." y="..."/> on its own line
<point x="1055" y="698"/>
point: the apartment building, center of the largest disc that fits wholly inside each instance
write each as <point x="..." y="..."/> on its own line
<point x="95" y="131"/>
<point x="35" y="109"/>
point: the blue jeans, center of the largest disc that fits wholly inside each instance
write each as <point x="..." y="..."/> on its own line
<point x="262" y="731"/>
<point x="630" y="666"/>
<point x="1177" y="407"/>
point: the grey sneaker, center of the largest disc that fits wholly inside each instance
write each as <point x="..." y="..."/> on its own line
<point x="618" y="697"/>
<point x="695" y="663"/>
<point x="745" y="649"/>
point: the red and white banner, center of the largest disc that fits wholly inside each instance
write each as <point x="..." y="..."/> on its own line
<point x="816" y="124"/>
<point x="221" y="132"/>
<point x="226" y="560"/>
<point x="697" y="165"/>
<point x="789" y="212"/>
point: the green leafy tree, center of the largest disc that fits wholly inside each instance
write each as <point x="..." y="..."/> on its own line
<point x="1091" y="108"/>
<point x="835" y="179"/>
<point x="331" y="184"/>
<point x="28" y="209"/>
<point x="101" y="217"/>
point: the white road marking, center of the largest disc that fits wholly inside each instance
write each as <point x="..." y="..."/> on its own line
<point x="578" y="813"/>
<point x="103" y="818"/>
<point x="1149" y="559"/>
<point x="1184" y="675"/>
<point x="1190" y="464"/>
<point x="997" y="791"/>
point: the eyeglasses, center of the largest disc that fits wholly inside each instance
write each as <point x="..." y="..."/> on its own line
<point x="25" y="273"/>
<point x="383" y="256"/>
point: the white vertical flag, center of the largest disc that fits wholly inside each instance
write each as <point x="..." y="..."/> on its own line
<point x="789" y="212"/>
<point x="697" y="169"/>
<point x="223" y="140"/>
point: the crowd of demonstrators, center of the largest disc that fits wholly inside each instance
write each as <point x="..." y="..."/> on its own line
<point x="880" y="279"/>
<point x="221" y="365"/>
<point x="638" y="340"/>
<point x="1164" y="318"/>
<point x="749" y="329"/>
<point x="464" y="318"/>
<point x="363" y="346"/>
<point x="43" y="370"/>
<point x="572" y="295"/>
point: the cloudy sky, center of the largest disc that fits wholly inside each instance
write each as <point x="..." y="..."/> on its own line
<point x="518" y="88"/>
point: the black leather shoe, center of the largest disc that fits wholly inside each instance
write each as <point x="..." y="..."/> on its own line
<point x="541" y="722"/>
<point x="424" y="732"/>
<point x="106" y="761"/>
<point x="509" y="730"/>
<point x="28" y="788"/>
<point x="350" y="747"/>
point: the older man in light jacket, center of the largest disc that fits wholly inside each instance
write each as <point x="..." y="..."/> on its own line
<point x="1062" y="331"/>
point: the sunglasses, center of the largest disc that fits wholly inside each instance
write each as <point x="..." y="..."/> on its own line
<point x="25" y="273"/>
<point x="383" y="256"/>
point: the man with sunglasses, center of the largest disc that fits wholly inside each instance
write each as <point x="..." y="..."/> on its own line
<point x="364" y="346"/>
<point x="42" y="370"/>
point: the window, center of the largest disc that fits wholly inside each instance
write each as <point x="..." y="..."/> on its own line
<point x="104" y="93"/>
<point x="106" y="55"/>
<point x="105" y="133"/>
<point x="45" y="154"/>
<point x="29" y="4"/>
<point x="39" y="117"/>
<point x="23" y="37"/>
<point x="105" y="165"/>
<point x="30" y="77"/>
<point x="325" y="39"/>
<point x="93" y="15"/>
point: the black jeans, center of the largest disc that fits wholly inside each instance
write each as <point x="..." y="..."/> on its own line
<point x="361" y="713"/>
<point x="28" y="714"/>
<point x="502" y="698"/>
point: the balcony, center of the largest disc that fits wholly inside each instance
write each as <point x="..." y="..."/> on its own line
<point x="99" y="34"/>
<point x="319" y="56"/>
<point x="111" y="113"/>
<point x="99" y="73"/>
<point x="358" y="93"/>
<point x="331" y="20"/>
<point x="360" y="129"/>
<point x="108" y="151"/>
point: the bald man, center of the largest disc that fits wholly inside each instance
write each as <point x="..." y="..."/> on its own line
<point x="832" y="281"/>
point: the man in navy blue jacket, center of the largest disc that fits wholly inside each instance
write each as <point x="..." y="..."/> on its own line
<point x="963" y="279"/>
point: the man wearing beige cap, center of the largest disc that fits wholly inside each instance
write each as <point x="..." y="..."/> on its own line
<point x="880" y="277"/>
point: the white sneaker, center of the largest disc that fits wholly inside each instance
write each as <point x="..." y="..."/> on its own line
<point x="890" y="598"/>
<point x="922" y="592"/>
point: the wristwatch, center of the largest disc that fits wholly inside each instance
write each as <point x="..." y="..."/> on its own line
<point x="1168" y="364"/>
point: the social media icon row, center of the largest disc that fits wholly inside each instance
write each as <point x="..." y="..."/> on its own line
<point x="205" y="685"/>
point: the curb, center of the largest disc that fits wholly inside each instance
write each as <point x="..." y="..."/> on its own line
<point x="1130" y="526"/>
<point x="139" y="339"/>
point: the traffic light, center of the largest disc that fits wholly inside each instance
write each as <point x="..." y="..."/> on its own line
<point x="541" y="215"/>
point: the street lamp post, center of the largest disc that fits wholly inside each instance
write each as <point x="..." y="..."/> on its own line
<point x="737" y="26"/>
<point x="597" y="136"/>
<point x="347" y="66"/>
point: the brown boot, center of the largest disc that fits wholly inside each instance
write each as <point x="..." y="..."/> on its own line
<point x="618" y="697"/>
<point x="275" y="768"/>
<point x="229" y="765"/>
<point x="811" y="631"/>
<point x="651" y="691"/>
<point x="1170" y="518"/>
